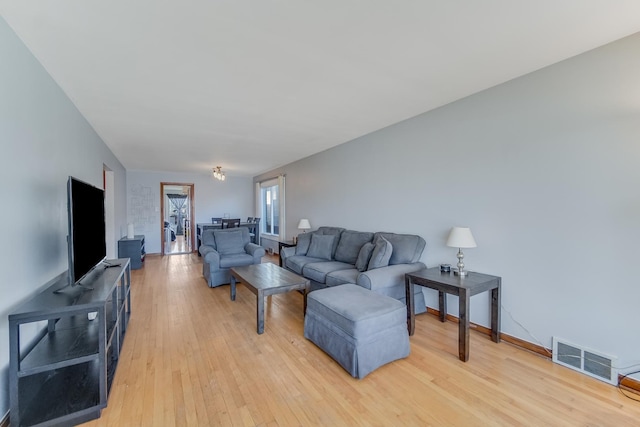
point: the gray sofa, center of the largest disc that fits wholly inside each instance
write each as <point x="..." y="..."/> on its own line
<point x="375" y="261"/>
<point x="223" y="249"/>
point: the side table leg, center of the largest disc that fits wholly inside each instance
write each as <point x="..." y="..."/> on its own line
<point x="495" y="312"/>
<point x="260" y="313"/>
<point x="442" y="305"/>
<point x="463" y="327"/>
<point x="411" y="314"/>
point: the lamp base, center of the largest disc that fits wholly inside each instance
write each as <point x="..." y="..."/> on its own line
<point x="462" y="273"/>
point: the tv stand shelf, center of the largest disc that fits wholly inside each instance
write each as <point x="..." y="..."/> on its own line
<point x="64" y="374"/>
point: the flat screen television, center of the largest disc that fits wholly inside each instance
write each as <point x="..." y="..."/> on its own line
<point x="86" y="241"/>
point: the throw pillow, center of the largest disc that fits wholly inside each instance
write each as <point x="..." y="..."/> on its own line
<point x="321" y="246"/>
<point x="381" y="254"/>
<point x="304" y="240"/>
<point x="364" y="256"/>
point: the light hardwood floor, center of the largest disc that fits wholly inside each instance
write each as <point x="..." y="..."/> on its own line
<point x="180" y="245"/>
<point x="192" y="357"/>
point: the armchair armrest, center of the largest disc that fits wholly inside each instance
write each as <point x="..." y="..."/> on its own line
<point x="387" y="277"/>
<point x="254" y="250"/>
<point x="210" y="256"/>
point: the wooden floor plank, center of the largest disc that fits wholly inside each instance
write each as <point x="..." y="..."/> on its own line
<point x="192" y="356"/>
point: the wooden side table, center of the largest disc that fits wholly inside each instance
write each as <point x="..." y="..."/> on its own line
<point x="284" y="244"/>
<point x="464" y="287"/>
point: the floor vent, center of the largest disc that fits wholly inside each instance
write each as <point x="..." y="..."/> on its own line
<point x="592" y="363"/>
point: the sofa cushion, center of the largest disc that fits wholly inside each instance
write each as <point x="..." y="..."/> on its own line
<point x="340" y="277"/>
<point x="362" y="262"/>
<point x="349" y="245"/>
<point x="331" y="231"/>
<point x="304" y="240"/>
<point x="407" y="248"/>
<point x="230" y="241"/>
<point x="235" y="260"/>
<point x="321" y="246"/>
<point x="381" y="254"/>
<point x="297" y="262"/>
<point x="317" y="271"/>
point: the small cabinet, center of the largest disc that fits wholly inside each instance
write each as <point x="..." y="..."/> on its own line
<point x="63" y="375"/>
<point x="132" y="248"/>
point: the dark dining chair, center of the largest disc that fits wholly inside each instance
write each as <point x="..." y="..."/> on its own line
<point x="254" y="231"/>
<point x="216" y="220"/>
<point x="231" y="223"/>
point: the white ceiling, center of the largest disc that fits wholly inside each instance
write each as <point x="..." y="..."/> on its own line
<point x="252" y="85"/>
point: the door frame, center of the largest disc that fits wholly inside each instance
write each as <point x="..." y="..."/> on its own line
<point x="192" y="215"/>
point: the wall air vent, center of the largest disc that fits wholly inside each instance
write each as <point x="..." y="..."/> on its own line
<point x="581" y="359"/>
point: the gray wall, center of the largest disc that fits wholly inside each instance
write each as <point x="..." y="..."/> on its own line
<point x="213" y="198"/>
<point x="544" y="169"/>
<point x="43" y="139"/>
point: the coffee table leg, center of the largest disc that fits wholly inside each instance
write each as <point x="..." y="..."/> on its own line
<point x="463" y="327"/>
<point x="232" y="290"/>
<point x="260" y="313"/>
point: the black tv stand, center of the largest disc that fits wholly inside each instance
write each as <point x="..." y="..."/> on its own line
<point x="79" y="284"/>
<point x="65" y="376"/>
<point x="71" y="287"/>
<point x="108" y="264"/>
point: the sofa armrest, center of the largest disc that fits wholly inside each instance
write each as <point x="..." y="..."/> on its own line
<point x="254" y="250"/>
<point x="210" y="256"/>
<point x="287" y="252"/>
<point x="386" y="277"/>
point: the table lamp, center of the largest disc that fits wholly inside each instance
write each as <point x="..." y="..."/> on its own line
<point x="304" y="225"/>
<point x="461" y="237"/>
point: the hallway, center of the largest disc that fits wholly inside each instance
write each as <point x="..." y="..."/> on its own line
<point x="179" y="246"/>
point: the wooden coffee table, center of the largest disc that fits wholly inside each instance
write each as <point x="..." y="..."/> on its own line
<point x="267" y="279"/>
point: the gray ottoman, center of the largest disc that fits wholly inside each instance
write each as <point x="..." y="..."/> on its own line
<point x="360" y="329"/>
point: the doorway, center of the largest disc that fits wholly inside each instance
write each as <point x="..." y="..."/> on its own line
<point x="108" y="181"/>
<point x="177" y="223"/>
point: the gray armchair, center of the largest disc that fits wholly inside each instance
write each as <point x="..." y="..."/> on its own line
<point x="223" y="249"/>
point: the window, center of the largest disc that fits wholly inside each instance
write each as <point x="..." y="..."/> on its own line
<point x="270" y="206"/>
<point x="270" y="210"/>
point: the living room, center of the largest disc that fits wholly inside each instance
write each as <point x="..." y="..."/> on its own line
<point x="542" y="168"/>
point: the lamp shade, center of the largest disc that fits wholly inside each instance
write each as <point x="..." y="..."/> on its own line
<point x="461" y="237"/>
<point x="304" y="224"/>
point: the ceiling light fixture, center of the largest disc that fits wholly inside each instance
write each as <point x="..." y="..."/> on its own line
<point x="218" y="174"/>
